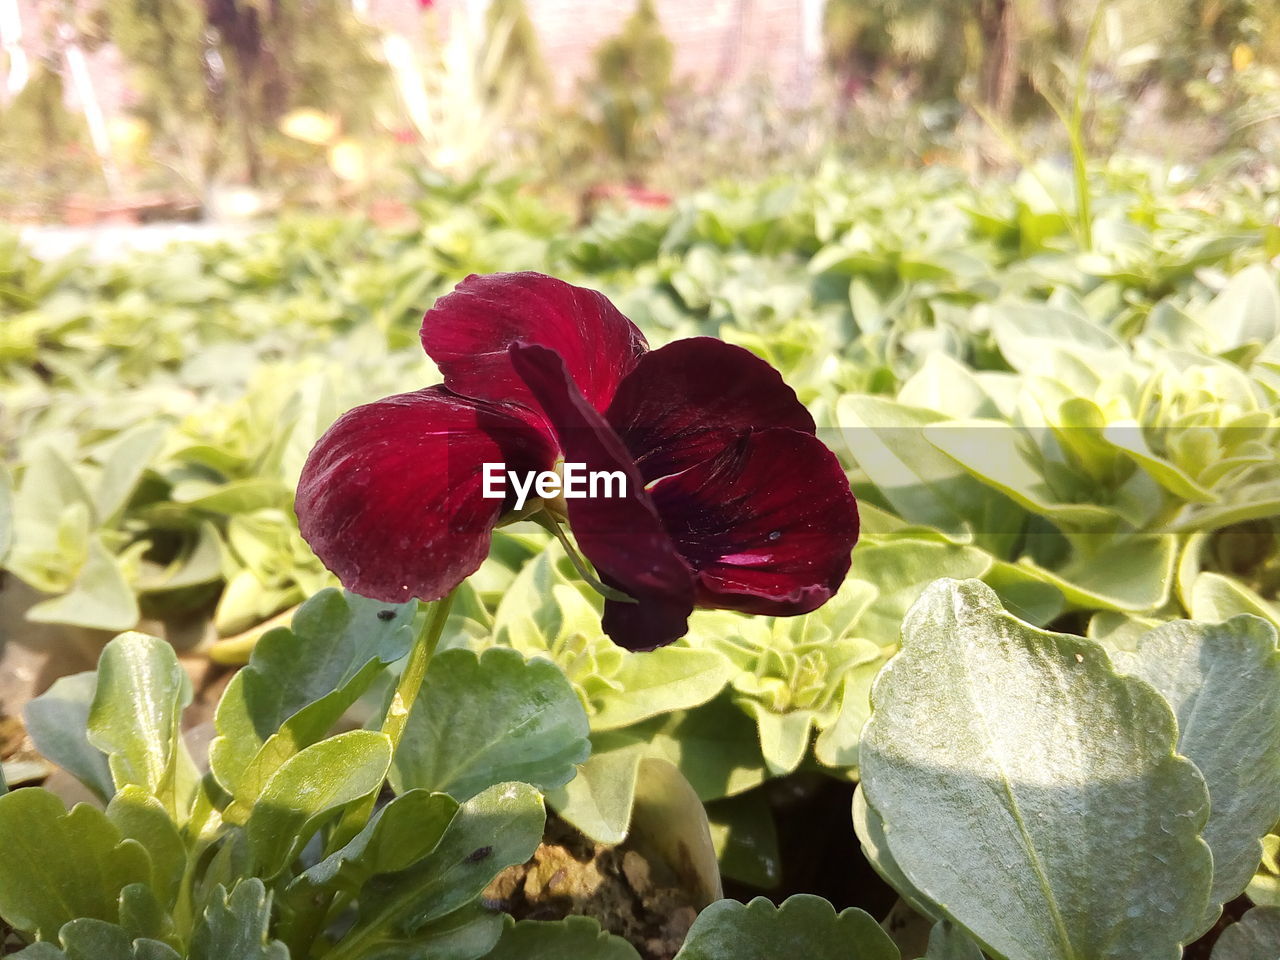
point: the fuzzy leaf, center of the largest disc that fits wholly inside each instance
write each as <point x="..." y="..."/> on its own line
<point x="402" y="913"/>
<point x="299" y="681"/>
<point x="1003" y="759"/>
<point x="1255" y="937"/>
<point x="488" y="719"/>
<point x="136" y="716"/>
<point x="58" y="721"/>
<point x="237" y="926"/>
<point x="577" y="937"/>
<point x="803" y="926"/>
<point x="1223" y="682"/>
<point x="309" y="786"/>
<point x="60" y="866"/>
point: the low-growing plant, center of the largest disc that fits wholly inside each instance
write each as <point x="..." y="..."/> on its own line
<point x="379" y="766"/>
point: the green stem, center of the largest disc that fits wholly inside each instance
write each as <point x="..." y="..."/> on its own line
<point x="301" y="930"/>
<point x="579" y="563"/>
<point x="415" y="671"/>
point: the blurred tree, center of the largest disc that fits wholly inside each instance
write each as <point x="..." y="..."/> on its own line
<point x="215" y="77"/>
<point x="628" y="94"/>
<point x="36" y="129"/>
<point x="512" y="42"/>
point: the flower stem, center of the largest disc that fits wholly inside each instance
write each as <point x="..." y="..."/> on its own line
<point x="415" y="671"/>
<point x="301" y="929"/>
<point x="579" y="563"/>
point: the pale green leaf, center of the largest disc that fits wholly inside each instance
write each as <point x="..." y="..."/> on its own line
<point x="1002" y="759"/>
<point x="803" y="926"/>
<point x="59" y="866"/>
<point x="660" y="681"/>
<point x="1223" y="682"/>
<point x="495" y="829"/>
<point x="310" y="786"/>
<point x="58" y="721"/>
<point x="579" y="938"/>
<point x="1255" y="937"/>
<point x="237" y="926"/>
<point x="489" y="719"/>
<point x="136" y="719"/>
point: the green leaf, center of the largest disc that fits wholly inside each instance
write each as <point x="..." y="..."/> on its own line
<point x="136" y="717"/>
<point x="237" y="926"/>
<point x="40" y="951"/>
<point x="494" y="830"/>
<point x="922" y="484"/>
<point x="88" y="939"/>
<point x="996" y="453"/>
<point x="1223" y="683"/>
<point x="1264" y="889"/>
<point x="100" y="598"/>
<point x="58" y="721"/>
<point x="142" y="915"/>
<point x="784" y="737"/>
<point x="1035" y="337"/>
<point x="716" y="747"/>
<point x="901" y="568"/>
<point x="1003" y="759"/>
<point x="579" y="938"/>
<point x="949" y="942"/>
<point x="1255" y="937"/>
<point x="1129" y="573"/>
<point x="140" y="816"/>
<point x="488" y="719"/>
<point x="126" y="461"/>
<point x="598" y="800"/>
<point x="59" y="866"/>
<point x="396" y="837"/>
<point x="869" y="827"/>
<point x="310" y="786"/>
<point x="803" y="926"/>
<point x="1215" y="597"/>
<point x="1246" y="311"/>
<point x="746" y="839"/>
<point x="299" y="681"/>
<point x="661" y="681"/>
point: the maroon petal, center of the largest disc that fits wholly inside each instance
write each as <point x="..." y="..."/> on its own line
<point x="767" y="524"/>
<point x="683" y="402"/>
<point x="391" y="497"/>
<point x="623" y="536"/>
<point x="468" y="331"/>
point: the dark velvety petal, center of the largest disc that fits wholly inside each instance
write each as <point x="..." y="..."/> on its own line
<point x="468" y="331"/>
<point x="655" y="622"/>
<point x="391" y="497"/>
<point x="622" y="536"/>
<point x="683" y="401"/>
<point x="767" y="523"/>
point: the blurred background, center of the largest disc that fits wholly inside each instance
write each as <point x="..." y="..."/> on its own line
<point x="144" y="110"/>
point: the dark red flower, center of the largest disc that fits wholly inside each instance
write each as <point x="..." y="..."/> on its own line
<point x="731" y="500"/>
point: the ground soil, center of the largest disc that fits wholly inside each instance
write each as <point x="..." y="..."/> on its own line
<point x="629" y="894"/>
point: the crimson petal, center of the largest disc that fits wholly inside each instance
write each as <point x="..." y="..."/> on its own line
<point x="623" y="536"/>
<point x="390" y="498"/>
<point x="468" y="331"/>
<point x="683" y="402"/>
<point x="767" y="524"/>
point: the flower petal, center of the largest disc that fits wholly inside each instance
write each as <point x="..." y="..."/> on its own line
<point x="468" y="331"/>
<point x="767" y="523"/>
<point x="391" y="497"/>
<point x="683" y="401"/>
<point x="623" y="536"/>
